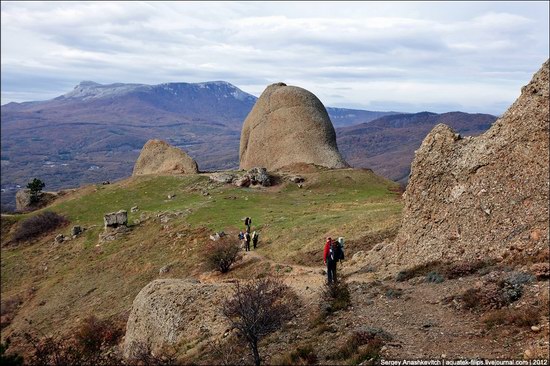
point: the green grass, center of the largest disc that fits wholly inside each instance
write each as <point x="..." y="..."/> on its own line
<point x="83" y="278"/>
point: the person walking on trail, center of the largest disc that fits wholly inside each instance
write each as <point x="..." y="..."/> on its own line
<point x="331" y="255"/>
<point x="247" y="242"/>
<point x="255" y="239"/>
<point x="247" y="223"/>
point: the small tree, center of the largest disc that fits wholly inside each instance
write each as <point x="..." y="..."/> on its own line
<point x="35" y="186"/>
<point x="259" y="308"/>
<point x="222" y="253"/>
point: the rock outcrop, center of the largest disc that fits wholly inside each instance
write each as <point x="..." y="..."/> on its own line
<point x="158" y="157"/>
<point x="23" y="200"/>
<point x="115" y="219"/>
<point x="288" y="125"/>
<point x="166" y="311"/>
<point x="482" y="197"/>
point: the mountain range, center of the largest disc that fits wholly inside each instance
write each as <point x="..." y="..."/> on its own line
<point x="95" y="132"/>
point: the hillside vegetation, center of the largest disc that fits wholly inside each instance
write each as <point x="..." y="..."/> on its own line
<point x="54" y="285"/>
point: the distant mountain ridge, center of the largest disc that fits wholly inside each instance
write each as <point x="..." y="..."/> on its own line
<point x="95" y="132"/>
<point x="387" y="144"/>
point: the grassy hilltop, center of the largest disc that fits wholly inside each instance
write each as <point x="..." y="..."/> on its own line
<point x="57" y="284"/>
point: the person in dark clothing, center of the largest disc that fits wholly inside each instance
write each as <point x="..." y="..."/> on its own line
<point x="331" y="255"/>
<point x="247" y="241"/>
<point x="248" y="222"/>
<point x="255" y="239"/>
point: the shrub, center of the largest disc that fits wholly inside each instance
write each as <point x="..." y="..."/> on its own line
<point x="521" y="317"/>
<point x="495" y="294"/>
<point x="222" y="253"/>
<point x="90" y="344"/>
<point x="12" y="359"/>
<point x="434" y="277"/>
<point x="302" y="355"/>
<point x="373" y="338"/>
<point x="393" y="292"/>
<point x="8" y="310"/>
<point x="259" y="308"/>
<point x="37" y="225"/>
<point x="336" y="295"/>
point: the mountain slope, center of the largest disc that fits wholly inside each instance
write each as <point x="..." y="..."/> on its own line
<point x="387" y="144"/>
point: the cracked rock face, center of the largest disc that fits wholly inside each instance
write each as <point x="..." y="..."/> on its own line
<point x="480" y="197"/>
<point x="288" y="125"/>
<point x="158" y="157"/>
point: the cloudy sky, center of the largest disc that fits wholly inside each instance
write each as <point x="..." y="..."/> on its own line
<point x="402" y="56"/>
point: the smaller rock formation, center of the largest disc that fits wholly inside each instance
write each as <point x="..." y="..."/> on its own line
<point x="158" y="157"/>
<point x="23" y="200"/>
<point x="222" y="177"/>
<point x="288" y="125"/>
<point x="253" y="177"/>
<point x="115" y="219"/>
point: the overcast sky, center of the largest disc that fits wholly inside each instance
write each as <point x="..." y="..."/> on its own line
<point x="402" y="56"/>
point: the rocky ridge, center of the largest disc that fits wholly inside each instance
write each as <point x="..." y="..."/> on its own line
<point x="483" y="197"/>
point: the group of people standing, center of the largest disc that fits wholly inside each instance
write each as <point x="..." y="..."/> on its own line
<point x="246" y="237"/>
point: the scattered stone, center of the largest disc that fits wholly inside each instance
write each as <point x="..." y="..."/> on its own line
<point x="59" y="238"/>
<point x="116" y="219"/>
<point x="296" y="179"/>
<point x="225" y="178"/>
<point x="134" y="209"/>
<point x="259" y="176"/>
<point x="243" y="181"/>
<point x="535" y="328"/>
<point x="105" y="182"/>
<point x="165" y="269"/>
<point x="76" y="230"/>
<point x="171" y="196"/>
<point x="541" y="270"/>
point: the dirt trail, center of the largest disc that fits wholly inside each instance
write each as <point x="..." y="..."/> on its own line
<point x="421" y="324"/>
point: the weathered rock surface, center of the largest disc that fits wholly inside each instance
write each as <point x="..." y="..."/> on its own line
<point x="482" y="197"/>
<point x="158" y="157"/>
<point x="167" y="311"/>
<point x="288" y="125"/>
<point x="115" y="219"/>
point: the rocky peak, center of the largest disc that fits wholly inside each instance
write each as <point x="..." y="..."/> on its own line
<point x="480" y="197"/>
<point x="288" y="125"/>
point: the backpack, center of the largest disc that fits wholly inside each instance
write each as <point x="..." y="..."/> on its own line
<point x="340" y="252"/>
<point x="341" y="247"/>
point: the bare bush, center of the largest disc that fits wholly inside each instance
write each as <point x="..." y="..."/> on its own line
<point x="521" y="317"/>
<point x="37" y="225"/>
<point x="222" y="253"/>
<point x="92" y="343"/>
<point x="362" y="344"/>
<point x="258" y="308"/>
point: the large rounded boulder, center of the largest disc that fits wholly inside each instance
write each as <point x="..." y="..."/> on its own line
<point x="288" y="125"/>
<point x="169" y="311"/>
<point x="158" y="157"/>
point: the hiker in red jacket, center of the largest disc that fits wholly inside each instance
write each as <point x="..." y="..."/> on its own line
<point x="330" y="257"/>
